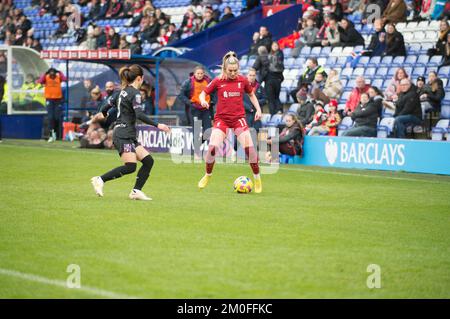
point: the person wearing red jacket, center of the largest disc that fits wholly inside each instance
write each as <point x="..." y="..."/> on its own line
<point x="355" y="96"/>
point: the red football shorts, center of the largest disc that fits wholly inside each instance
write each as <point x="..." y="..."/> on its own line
<point x="239" y="125"/>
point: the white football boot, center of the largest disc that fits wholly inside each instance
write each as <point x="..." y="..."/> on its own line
<point x="98" y="183"/>
<point x="138" y="195"/>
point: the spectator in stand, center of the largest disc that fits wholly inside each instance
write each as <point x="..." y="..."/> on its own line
<point x="127" y="11"/>
<point x="408" y="110"/>
<point x="172" y="33"/>
<point x="308" y="76"/>
<point x="446" y="60"/>
<point x="319" y="118"/>
<point x="138" y="9"/>
<point x="262" y="64"/>
<point x="115" y="7"/>
<point x="332" y="34"/>
<point x="251" y="4"/>
<point x="150" y="29"/>
<point x="159" y="14"/>
<point x="321" y="35"/>
<point x="51" y="81"/>
<point x="227" y="14"/>
<point x="147" y="102"/>
<point x="23" y="24"/>
<point x="290" y="141"/>
<point x="188" y="22"/>
<point x="36" y="45"/>
<point x="100" y="37"/>
<point x="336" y="9"/>
<point x="112" y="38"/>
<point x="426" y="9"/>
<point x="94" y="10"/>
<point x="123" y="42"/>
<point x="333" y="87"/>
<point x="432" y="93"/>
<point x="306" y="110"/>
<point x="354" y="6"/>
<point x="135" y="44"/>
<point x="348" y="35"/>
<point x="308" y="36"/>
<point x="110" y="93"/>
<point x="395" y="12"/>
<point x="88" y="86"/>
<point x="317" y="85"/>
<point x="444" y="31"/>
<point x="274" y="79"/>
<point x="208" y="21"/>
<point x="265" y="38"/>
<point x="365" y="117"/>
<point x="63" y="26"/>
<point x="377" y="44"/>
<point x="254" y="47"/>
<point x="163" y="39"/>
<point x="91" y="40"/>
<point x="198" y="23"/>
<point x="249" y="108"/>
<point x="328" y="127"/>
<point x="369" y="10"/>
<point x="394" y="88"/>
<point x="395" y="44"/>
<point x="103" y="9"/>
<point x="355" y="95"/>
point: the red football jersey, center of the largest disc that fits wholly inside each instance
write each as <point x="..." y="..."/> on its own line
<point x="230" y="97"/>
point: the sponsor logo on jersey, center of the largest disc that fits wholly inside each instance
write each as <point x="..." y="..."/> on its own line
<point x="231" y="94"/>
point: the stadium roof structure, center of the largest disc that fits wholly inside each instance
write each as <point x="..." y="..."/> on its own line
<point x="23" y="61"/>
<point x="170" y="72"/>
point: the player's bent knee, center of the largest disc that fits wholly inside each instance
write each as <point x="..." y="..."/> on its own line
<point x="148" y="161"/>
<point x="129" y="168"/>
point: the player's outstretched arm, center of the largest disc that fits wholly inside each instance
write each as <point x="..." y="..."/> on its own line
<point x="255" y="103"/>
<point x="203" y="102"/>
<point x="147" y="120"/>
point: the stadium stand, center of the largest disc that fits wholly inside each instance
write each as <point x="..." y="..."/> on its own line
<point x="419" y="37"/>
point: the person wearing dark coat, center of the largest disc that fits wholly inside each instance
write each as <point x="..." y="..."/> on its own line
<point x="378" y="40"/>
<point x="305" y="112"/>
<point x="265" y="38"/>
<point x="395" y="44"/>
<point x="249" y="107"/>
<point x="365" y="117"/>
<point x="227" y="14"/>
<point x="444" y="31"/>
<point x="408" y="109"/>
<point x="261" y="64"/>
<point x="290" y="141"/>
<point x="348" y="35"/>
<point x="432" y="93"/>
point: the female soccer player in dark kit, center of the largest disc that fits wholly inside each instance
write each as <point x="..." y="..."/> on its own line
<point x="129" y="108"/>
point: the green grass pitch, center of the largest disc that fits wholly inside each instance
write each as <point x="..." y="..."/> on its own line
<point x="311" y="234"/>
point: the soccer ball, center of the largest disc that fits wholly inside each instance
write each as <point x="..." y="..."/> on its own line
<point x="243" y="185"/>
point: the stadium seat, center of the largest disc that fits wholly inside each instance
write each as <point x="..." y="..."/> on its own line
<point x="315" y="51"/>
<point x="398" y="61"/>
<point x="294" y="107"/>
<point x="363" y="62"/>
<point x="346" y="124"/>
<point x="410" y="60"/>
<point x="444" y="71"/>
<point x="413" y="49"/>
<point x="346" y="73"/>
<point x="387" y="112"/>
<point x="386" y="61"/>
<point x="425" y="47"/>
<point x="418" y="71"/>
<point x="331" y="61"/>
<point x="422" y="60"/>
<point x="374" y="62"/>
<point x="435" y="61"/>
<point x="377" y="82"/>
<point x="384" y="129"/>
<point x="325" y="52"/>
<point x="357" y="72"/>
<point x="275" y="120"/>
<point x="381" y="73"/>
<point x="305" y="51"/>
<point x="370" y="72"/>
<point x="440" y="130"/>
<point x="344" y="97"/>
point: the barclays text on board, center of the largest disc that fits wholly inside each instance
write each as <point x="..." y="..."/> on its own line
<point x="421" y="156"/>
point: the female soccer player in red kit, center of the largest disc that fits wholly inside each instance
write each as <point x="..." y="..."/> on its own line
<point x="230" y="113"/>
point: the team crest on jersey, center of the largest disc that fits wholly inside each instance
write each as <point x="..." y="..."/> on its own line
<point x="225" y="94"/>
<point x="239" y="85"/>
